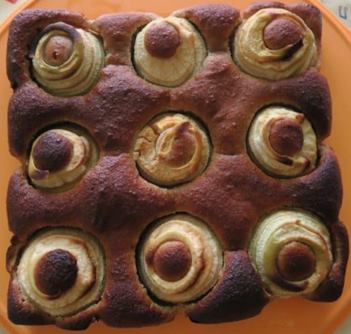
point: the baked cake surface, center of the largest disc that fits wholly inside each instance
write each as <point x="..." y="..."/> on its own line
<point x="170" y="162"/>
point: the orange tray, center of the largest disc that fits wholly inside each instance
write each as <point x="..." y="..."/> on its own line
<point x="291" y="316"/>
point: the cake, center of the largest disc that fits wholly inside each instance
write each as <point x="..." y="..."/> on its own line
<point x="170" y="163"/>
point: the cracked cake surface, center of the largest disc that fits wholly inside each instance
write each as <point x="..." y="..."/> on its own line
<point x="170" y="162"/>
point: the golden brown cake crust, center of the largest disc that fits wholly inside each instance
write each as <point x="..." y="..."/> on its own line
<point x="237" y="295"/>
<point x="215" y="22"/>
<point x="115" y="204"/>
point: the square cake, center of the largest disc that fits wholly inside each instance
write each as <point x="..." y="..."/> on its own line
<point x="170" y="163"/>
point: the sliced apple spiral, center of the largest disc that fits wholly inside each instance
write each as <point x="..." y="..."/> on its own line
<point x="274" y="44"/>
<point x="180" y="259"/>
<point x="67" y="61"/>
<point x="168" y="51"/>
<point x="292" y="252"/>
<point x="172" y="149"/>
<point x="282" y="141"/>
<point x="62" y="271"/>
<point x="60" y="157"/>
